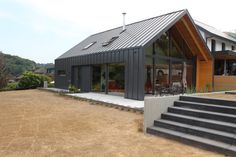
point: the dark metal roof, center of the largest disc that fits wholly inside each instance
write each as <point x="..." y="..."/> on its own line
<point x="136" y="35"/>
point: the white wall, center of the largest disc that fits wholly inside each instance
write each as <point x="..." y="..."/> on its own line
<point x="219" y="41"/>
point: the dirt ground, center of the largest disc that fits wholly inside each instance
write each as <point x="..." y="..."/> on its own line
<point x="37" y="123"/>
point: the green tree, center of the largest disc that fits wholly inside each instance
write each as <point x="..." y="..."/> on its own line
<point x="16" y="66"/>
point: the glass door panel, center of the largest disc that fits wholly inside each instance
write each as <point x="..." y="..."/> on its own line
<point x="176" y="73"/>
<point x="162" y="72"/>
<point x="116" y="81"/>
<point x="98" y="78"/>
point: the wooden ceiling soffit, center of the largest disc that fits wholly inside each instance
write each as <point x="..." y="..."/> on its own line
<point x="179" y="27"/>
<point x="188" y="33"/>
<point x="196" y="41"/>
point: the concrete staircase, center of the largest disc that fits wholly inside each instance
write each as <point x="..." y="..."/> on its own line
<point x="204" y="122"/>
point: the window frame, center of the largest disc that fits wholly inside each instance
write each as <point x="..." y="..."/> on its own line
<point x="61" y="72"/>
<point x="213" y="45"/>
<point x="223" y="46"/>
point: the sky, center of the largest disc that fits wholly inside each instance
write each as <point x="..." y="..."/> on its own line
<point x="42" y="30"/>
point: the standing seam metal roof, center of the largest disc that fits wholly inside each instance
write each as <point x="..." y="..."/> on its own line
<point x="136" y="34"/>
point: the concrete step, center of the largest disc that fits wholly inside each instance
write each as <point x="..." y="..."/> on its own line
<point x="203" y="114"/>
<point x="194" y="140"/>
<point x="206" y="107"/>
<point x="208" y="100"/>
<point x="201" y="122"/>
<point x="221" y="136"/>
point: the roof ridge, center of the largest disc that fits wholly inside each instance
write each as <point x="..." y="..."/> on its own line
<point x="140" y="21"/>
<point x="206" y="24"/>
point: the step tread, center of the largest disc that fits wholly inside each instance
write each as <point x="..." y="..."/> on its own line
<point x="205" y="104"/>
<point x="195" y="138"/>
<point x="202" y="111"/>
<point x="202" y="119"/>
<point x="197" y="128"/>
<point x="208" y="98"/>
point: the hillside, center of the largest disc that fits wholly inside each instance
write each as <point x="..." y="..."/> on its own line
<point x="16" y="65"/>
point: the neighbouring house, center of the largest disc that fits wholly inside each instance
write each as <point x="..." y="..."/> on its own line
<point x="223" y="48"/>
<point x="134" y="59"/>
<point x="47" y="69"/>
<point x="232" y="34"/>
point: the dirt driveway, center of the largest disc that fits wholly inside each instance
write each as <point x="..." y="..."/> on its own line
<point x="36" y="123"/>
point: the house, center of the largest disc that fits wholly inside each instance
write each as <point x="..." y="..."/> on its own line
<point x="135" y="59"/>
<point x="232" y="34"/>
<point x="47" y="69"/>
<point x="223" y="48"/>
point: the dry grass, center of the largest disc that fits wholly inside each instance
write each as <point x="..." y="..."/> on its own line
<point x="139" y="123"/>
<point x="36" y="123"/>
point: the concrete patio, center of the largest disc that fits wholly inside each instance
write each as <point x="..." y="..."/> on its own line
<point x="111" y="99"/>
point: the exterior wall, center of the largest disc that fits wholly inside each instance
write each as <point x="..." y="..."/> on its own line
<point x="219" y="41"/>
<point x="134" y="70"/>
<point x="155" y="106"/>
<point x="204" y="74"/>
<point x="224" y="82"/>
<point x="85" y="78"/>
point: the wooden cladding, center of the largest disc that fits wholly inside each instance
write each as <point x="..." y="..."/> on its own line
<point x="204" y="80"/>
<point x="224" y="82"/>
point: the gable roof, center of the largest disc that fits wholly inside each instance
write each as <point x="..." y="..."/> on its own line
<point x="231" y="34"/>
<point x="136" y="35"/>
<point x="214" y="31"/>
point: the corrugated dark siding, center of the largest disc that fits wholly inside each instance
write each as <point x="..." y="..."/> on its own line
<point x="134" y="70"/>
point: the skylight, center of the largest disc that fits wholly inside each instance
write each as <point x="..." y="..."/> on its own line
<point x="110" y="41"/>
<point x="89" y="45"/>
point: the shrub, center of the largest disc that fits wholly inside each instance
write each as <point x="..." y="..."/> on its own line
<point x="73" y="89"/>
<point x="191" y="90"/>
<point x="31" y="80"/>
<point x="12" y="86"/>
<point x="51" y="85"/>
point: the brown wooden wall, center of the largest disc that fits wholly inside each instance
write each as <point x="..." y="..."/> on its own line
<point x="204" y="80"/>
<point x="224" y="82"/>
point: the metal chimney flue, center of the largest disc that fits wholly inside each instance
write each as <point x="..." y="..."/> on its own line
<point x="124" y="21"/>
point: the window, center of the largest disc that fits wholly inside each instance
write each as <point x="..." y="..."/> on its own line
<point x="110" y="41"/>
<point x="89" y="45"/>
<point x="231" y="67"/>
<point x="61" y="72"/>
<point x="213" y="45"/>
<point x="219" y="67"/>
<point x="233" y="48"/>
<point x="162" y="45"/>
<point x="223" y="46"/>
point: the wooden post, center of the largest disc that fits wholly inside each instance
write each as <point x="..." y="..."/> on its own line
<point x="107" y="78"/>
<point x="225" y="70"/>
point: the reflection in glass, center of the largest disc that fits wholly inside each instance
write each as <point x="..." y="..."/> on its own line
<point x="98" y="78"/>
<point x="162" y="72"/>
<point x="176" y="72"/>
<point x="116" y="81"/>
